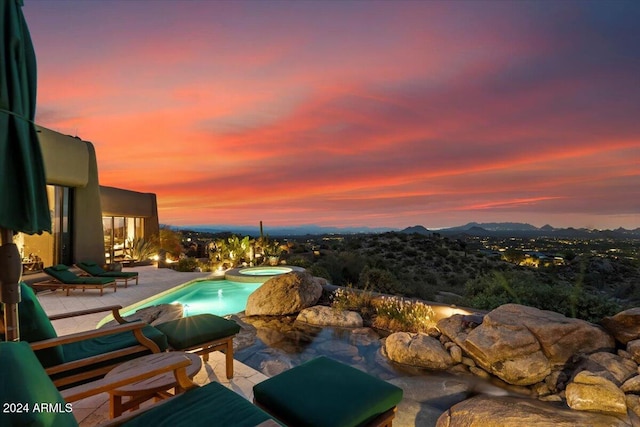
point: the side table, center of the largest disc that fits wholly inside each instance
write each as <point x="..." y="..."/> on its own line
<point x="157" y="387"/>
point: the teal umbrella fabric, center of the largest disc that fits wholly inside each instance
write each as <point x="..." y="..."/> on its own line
<point x="23" y="194"/>
<point x="23" y="198"/>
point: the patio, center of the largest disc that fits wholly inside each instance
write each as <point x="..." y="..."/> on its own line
<point x="92" y="411"/>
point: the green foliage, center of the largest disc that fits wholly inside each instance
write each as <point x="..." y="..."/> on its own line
<point x="398" y="314"/>
<point x="378" y="280"/>
<point x="231" y="251"/>
<point x="141" y="250"/>
<point x="187" y="264"/>
<point x="523" y="287"/>
<point x="171" y="242"/>
<point x="354" y="300"/>
<point x="319" y="271"/>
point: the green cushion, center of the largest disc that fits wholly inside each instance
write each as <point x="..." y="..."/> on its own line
<point x="95" y="346"/>
<point x="191" y="331"/>
<point x="24" y="381"/>
<point x="36" y="326"/>
<point x="326" y="393"/>
<point x="60" y="267"/>
<point x="211" y="405"/>
<point x="117" y="274"/>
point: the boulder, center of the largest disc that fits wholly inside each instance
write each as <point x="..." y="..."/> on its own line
<point x="511" y="411"/>
<point x="321" y="315"/>
<point x="633" y="348"/>
<point x="417" y="350"/>
<point x="608" y="365"/>
<point x="624" y="326"/>
<point x="632" y="385"/>
<point x="284" y="294"/>
<point x="522" y="345"/>
<point x="591" y="392"/>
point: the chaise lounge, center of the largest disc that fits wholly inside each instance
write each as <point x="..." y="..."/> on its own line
<point x="67" y="280"/>
<point x="95" y="270"/>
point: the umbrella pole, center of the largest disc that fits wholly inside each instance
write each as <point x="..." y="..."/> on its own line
<point x="10" y="274"/>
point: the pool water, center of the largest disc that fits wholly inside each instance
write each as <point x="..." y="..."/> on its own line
<point x="220" y="297"/>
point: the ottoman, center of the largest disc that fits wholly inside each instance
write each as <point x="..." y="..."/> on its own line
<point x="326" y="393"/>
<point x="202" y="334"/>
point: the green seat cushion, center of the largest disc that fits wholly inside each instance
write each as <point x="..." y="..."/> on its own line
<point x="211" y="405"/>
<point x="191" y="331"/>
<point x="36" y="326"/>
<point x="100" y="345"/>
<point x="61" y="272"/>
<point x="118" y="274"/>
<point x="24" y="381"/>
<point x="326" y="393"/>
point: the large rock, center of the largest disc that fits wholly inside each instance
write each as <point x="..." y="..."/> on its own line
<point x="624" y="326"/>
<point x="590" y="392"/>
<point x="417" y="350"/>
<point x="608" y="365"/>
<point x="522" y="345"/>
<point x="517" y="412"/>
<point x="321" y="315"/>
<point x="285" y="294"/>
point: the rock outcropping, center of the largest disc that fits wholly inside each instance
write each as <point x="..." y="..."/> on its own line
<point x="284" y="294"/>
<point x="522" y="345"/>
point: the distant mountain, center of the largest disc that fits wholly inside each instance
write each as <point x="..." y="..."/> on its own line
<point x="491" y="229"/>
<point x="496" y="226"/>
<point x="287" y="231"/>
<point x="416" y="229"/>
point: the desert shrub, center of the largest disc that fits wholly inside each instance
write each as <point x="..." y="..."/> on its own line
<point x="355" y="300"/>
<point x="187" y="264"/>
<point x="523" y="287"/>
<point x="398" y="314"/>
<point x="378" y="280"/>
<point x="319" y="271"/>
<point x="299" y="261"/>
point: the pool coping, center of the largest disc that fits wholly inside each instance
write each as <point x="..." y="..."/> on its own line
<point x="237" y="276"/>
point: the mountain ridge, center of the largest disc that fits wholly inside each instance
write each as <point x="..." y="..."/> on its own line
<point x="500" y="229"/>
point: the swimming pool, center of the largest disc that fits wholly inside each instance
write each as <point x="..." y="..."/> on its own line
<point x="220" y="297"/>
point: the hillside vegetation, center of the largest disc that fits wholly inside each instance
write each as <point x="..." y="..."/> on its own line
<point x="454" y="271"/>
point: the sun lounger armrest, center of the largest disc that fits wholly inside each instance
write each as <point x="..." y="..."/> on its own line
<point x="80" y="336"/>
<point x="115" y="381"/>
<point x="113" y="308"/>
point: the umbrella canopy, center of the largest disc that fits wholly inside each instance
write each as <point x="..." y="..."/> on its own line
<point x="23" y="198"/>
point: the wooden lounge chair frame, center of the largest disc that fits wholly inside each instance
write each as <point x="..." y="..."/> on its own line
<point x="145" y="345"/>
<point x="53" y="284"/>
<point x="111" y="275"/>
<point x="73" y="281"/>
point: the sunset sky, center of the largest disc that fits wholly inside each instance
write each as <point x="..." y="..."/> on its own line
<point x="364" y="113"/>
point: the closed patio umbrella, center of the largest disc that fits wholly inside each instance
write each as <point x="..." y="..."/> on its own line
<point x="23" y="199"/>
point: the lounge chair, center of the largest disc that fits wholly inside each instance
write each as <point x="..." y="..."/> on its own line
<point x="95" y="270"/>
<point x="91" y="354"/>
<point x="31" y="399"/>
<point x="67" y="280"/>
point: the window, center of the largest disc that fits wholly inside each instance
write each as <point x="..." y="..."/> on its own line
<point x="119" y="234"/>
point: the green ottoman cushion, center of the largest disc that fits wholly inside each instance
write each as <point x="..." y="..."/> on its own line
<point x="326" y="393"/>
<point x="192" y="331"/>
<point x="211" y="405"/>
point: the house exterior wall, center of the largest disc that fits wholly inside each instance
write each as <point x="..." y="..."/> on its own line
<point x="71" y="162"/>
